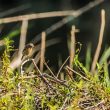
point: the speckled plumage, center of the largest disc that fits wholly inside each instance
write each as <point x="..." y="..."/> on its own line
<point x="27" y="51"/>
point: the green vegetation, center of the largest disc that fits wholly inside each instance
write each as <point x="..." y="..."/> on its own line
<point x="81" y="89"/>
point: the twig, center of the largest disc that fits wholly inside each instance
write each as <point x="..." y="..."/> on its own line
<point x="62" y="66"/>
<point x="100" y="103"/>
<point x="43" y="78"/>
<point x="29" y="77"/>
<point x="77" y="73"/>
<point x="64" y="104"/>
<point x="49" y="69"/>
<point x="96" y="56"/>
<point x="62" y="82"/>
<point x="37" y="16"/>
<point x="69" y="74"/>
<point x="72" y="47"/>
<point x="19" y="88"/>
<point x="10" y="94"/>
<point x="42" y="58"/>
<point x="21" y="67"/>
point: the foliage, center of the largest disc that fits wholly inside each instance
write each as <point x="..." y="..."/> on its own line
<point x="14" y="92"/>
<point x="85" y="90"/>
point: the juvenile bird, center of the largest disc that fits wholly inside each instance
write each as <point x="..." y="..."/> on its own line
<point x="27" y="51"/>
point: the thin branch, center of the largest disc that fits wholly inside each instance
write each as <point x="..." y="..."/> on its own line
<point x="19" y="88"/>
<point x="42" y="58"/>
<point x="77" y="73"/>
<point x="40" y="74"/>
<point x="64" y="104"/>
<point x="11" y="94"/>
<point x="62" y="66"/>
<point x="21" y="67"/>
<point x="101" y="103"/>
<point x="62" y="82"/>
<point x="36" y="16"/>
<point x="96" y="56"/>
<point x="49" y="69"/>
<point x="29" y="77"/>
<point x="69" y="74"/>
<point x="43" y="78"/>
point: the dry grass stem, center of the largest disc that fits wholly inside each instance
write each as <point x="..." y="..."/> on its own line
<point x="19" y="88"/>
<point x="96" y="56"/>
<point x="21" y="67"/>
<point x="64" y="104"/>
<point x="70" y="77"/>
<point x="49" y="69"/>
<point x="17" y="60"/>
<point x="67" y="67"/>
<point x="51" y="14"/>
<point x="42" y="58"/>
<point x="23" y="36"/>
<point x="37" y="15"/>
<point x="72" y="45"/>
<point x="62" y="66"/>
<point x="101" y="104"/>
<point x="40" y="73"/>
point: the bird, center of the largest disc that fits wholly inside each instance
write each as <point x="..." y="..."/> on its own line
<point x="27" y="51"/>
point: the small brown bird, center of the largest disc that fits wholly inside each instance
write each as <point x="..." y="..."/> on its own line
<point x="27" y="52"/>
